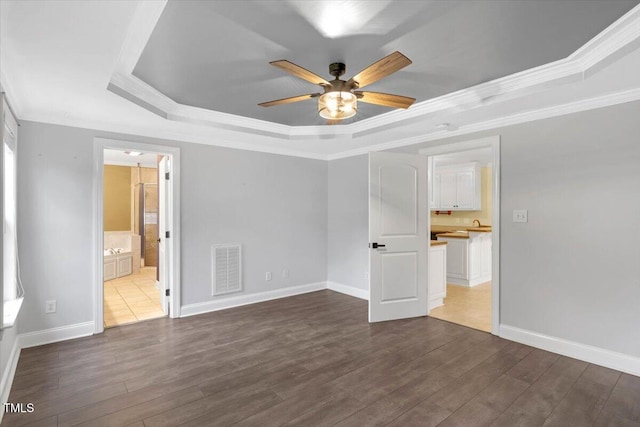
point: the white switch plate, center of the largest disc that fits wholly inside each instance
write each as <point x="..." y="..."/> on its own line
<point x="267" y="275"/>
<point x="50" y="306"/>
<point x="520" y="215"/>
<point x="366" y="275"/>
<point x="285" y="273"/>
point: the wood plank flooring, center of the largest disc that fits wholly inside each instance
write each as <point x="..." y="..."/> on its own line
<point x="312" y="360"/>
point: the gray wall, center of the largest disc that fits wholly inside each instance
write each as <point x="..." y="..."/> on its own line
<point x="572" y="271"/>
<point x="276" y="206"/>
<point x="348" y="235"/>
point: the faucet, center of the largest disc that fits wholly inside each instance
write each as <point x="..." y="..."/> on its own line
<point x="478" y="221"/>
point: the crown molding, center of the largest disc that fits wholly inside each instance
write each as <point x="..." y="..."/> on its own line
<point x="217" y="140"/>
<point x="616" y="40"/>
<point x="164" y="134"/>
<point x="529" y="116"/>
<point x="13" y="102"/>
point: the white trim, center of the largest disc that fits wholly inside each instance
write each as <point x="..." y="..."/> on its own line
<point x="349" y="290"/>
<point x="8" y="374"/>
<point x="528" y="116"/>
<point x="100" y="144"/>
<point x="599" y="356"/>
<point x="62" y="333"/>
<point x="240" y="300"/>
<point x="607" y="46"/>
<point x="143" y="23"/>
<point x="492" y="142"/>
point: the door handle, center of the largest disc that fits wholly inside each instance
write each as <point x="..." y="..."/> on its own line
<point x="376" y="246"/>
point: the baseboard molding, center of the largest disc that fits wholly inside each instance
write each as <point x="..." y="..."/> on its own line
<point x="63" y="333"/>
<point x="240" y="300"/>
<point x="348" y="290"/>
<point x="599" y="356"/>
<point x="8" y="374"/>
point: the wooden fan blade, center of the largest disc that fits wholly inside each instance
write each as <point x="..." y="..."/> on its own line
<point x="385" y="99"/>
<point x="289" y="100"/>
<point x="378" y="70"/>
<point x="300" y="72"/>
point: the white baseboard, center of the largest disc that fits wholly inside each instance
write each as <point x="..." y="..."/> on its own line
<point x="63" y="333"/>
<point x="237" y="301"/>
<point x="599" y="356"/>
<point x="8" y="374"/>
<point x="348" y="290"/>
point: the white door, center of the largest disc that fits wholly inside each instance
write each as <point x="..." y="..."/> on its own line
<point x="397" y="236"/>
<point x="164" y="220"/>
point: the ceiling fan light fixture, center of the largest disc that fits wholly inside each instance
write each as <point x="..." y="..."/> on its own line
<point x="337" y="105"/>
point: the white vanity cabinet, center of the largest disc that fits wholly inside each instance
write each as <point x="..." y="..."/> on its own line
<point x="468" y="258"/>
<point x="437" y="274"/>
<point x="457" y="188"/>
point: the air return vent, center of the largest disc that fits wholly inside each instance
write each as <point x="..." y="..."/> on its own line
<point x="226" y="266"/>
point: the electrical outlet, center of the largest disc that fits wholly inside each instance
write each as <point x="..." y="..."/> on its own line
<point x="285" y="273"/>
<point x="520" y="215"/>
<point x="50" y="306"/>
<point x="267" y="276"/>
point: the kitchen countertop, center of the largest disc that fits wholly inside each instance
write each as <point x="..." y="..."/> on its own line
<point x="438" y="242"/>
<point x="454" y="228"/>
<point x="458" y="235"/>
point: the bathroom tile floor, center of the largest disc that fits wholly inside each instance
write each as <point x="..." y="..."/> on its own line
<point x="467" y="306"/>
<point x="131" y="298"/>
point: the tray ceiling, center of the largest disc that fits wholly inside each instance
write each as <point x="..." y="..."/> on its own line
<point x="215" y="55"/>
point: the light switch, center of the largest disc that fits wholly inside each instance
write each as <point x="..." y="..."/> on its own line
<point x="519" y="215"/>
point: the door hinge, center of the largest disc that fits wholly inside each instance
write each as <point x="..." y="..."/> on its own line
<point x="167" y="234"/>
<point x="166" y="175"/>
<point x="166" y="292"/>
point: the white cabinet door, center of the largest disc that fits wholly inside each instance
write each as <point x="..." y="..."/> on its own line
<point x="110" y="269"/>
<point x="457" y="258"/>
<point x="475" y="258"/>
<point x="465" y="189"/>
<point x="459" y="187"/>
<point x="486" y="255"/>
<point x="125" y="266"/>
<point x="437" y="275"/>
<point x="448" y="190"/>
<point x="434" y="201"/>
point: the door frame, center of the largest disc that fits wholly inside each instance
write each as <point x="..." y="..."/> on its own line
<point x="492" y="142"/>
<point x="99" y="145"/>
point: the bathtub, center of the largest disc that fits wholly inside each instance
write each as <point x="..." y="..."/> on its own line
<point x="117" y="263"/>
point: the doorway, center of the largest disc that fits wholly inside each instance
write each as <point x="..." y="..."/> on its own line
<point x="469" y="224"/>
<point x="402" y="273"/>
<point x="136" y="232"/>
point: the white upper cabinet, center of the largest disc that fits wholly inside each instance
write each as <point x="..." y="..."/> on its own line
<point x="457" y="188"/>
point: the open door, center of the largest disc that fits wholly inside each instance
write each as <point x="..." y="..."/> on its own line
<point x="397" y="236"/>
<point x="164" y="234"/>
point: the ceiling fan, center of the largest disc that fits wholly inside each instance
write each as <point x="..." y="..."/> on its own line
<point x="340" y="98"/>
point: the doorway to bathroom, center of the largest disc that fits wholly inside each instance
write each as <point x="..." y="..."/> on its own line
<point x="137" y="267"/>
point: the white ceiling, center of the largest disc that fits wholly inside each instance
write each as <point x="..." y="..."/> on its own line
<point x="215" y="55"/>
<point x="59" y="57"/>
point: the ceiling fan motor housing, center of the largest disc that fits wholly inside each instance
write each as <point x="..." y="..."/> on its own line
<point x="337" y="69"/>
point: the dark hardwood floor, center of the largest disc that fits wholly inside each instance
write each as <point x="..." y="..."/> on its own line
<point x="312" y="360"/>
